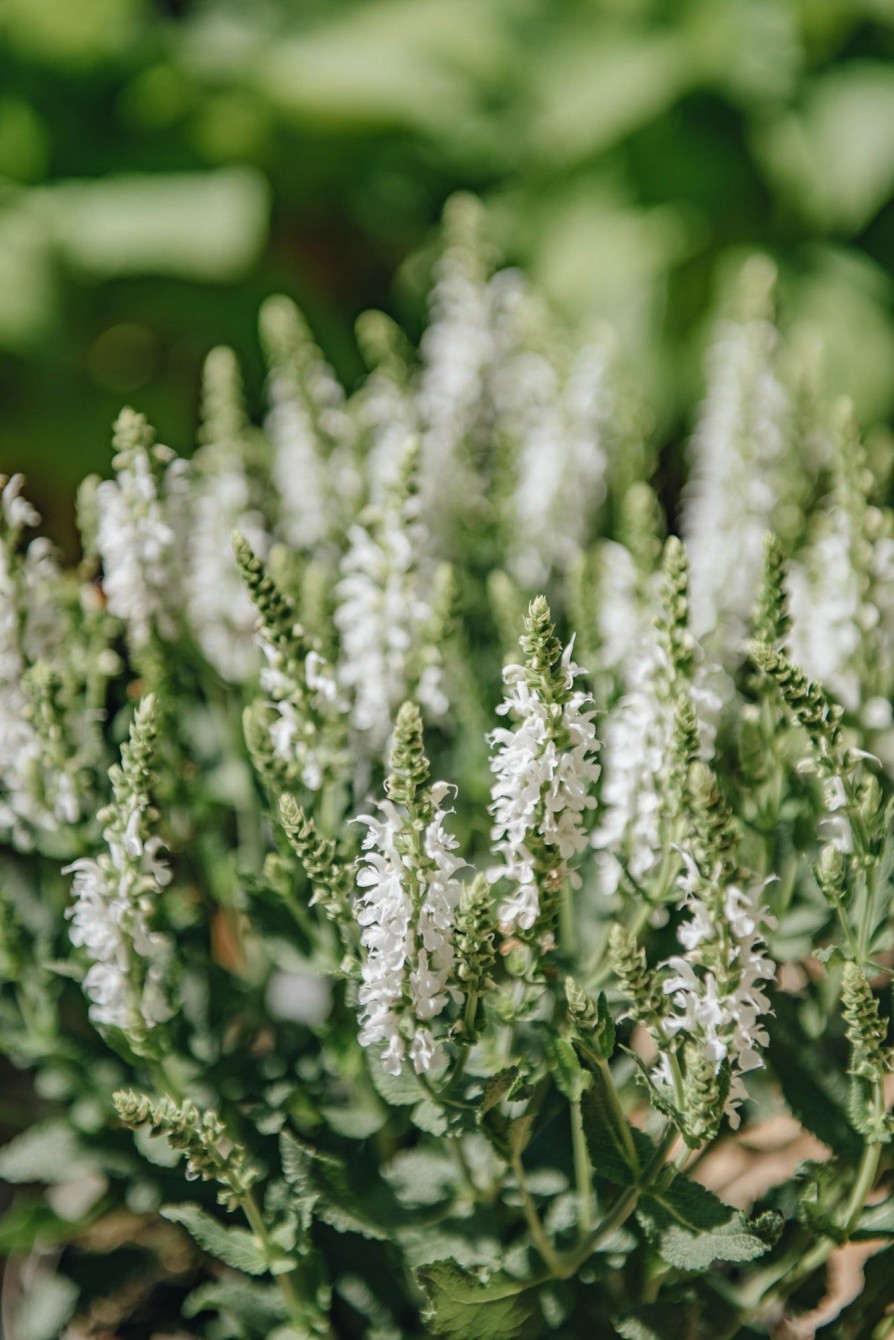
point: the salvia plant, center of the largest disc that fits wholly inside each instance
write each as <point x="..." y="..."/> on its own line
<point x="428" y="865"/>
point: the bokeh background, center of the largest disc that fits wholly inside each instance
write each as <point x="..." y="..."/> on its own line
<point x="165" y="166"/>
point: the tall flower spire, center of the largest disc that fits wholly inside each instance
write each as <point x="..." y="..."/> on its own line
<point x="312" y="434"/>
<point x="141" y="533"/>
<point x="388" y="615"/>
<point x="716" y="987"/>
<point x="543" y="769"/>
<point x="741" y="466"/>
<point x="296" y="734"/>
<point x="406" y="907"/>
<point x="114" y="896"/>
<point x="223" y="500"/>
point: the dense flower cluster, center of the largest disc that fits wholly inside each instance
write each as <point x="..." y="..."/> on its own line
<point x="406" y="907"/>
<point x="544" y="770"/>
<point x="463" y="975"/>
<point x="114" y="896"/>
<point x="141" y="533"/>
<point x="717" y="988"/>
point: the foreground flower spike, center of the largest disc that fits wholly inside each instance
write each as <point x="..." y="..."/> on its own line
<point x="115" y="895"/>
<point x="716" y="987"/>
<point x="141" y="518"/>
<point x="544" y="770"/>
<point x="225" y="498"/>
<point x="210" y="1153"/>
<point x="390" y="614"/>
<point x="638" y="808"/>
<point x="295" y="736"/>
<point x="406" y="907"/>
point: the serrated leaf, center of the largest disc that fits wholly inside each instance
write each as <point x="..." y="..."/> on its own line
<point x="814" y="1091"/>
<point x="354" y="1123"/>
<point x="461" y="1306"/>
<point x="606" y="1142"/>
<point x="566" y="1068"/>
<point x="259" y="1306"/>
<point x="235" y="1247"/>
<point x="401" y="1090"/>
<point x="430" y="1117"/>
<point x="47" y="1153"/>
<point x="691" y="1228"/>
<point x="864" y="1112"/>
<point x="498" y="1087"/>
<point x="45" y="1307"/>
<point x="656" y="1321"/>
<point x="322" y="1185"/>
<point x="421" y="1176"/>
<point x="877" y="1221"/>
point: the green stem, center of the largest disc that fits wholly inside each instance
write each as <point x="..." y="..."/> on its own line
<point x="532" y="1218"/>
<point x="622" y="1208"/>
<point x="286" y="1282"/>
<point x="822" y="1250"/>
<point x="614" y="1102"/>
<point x="583" y="1170"/>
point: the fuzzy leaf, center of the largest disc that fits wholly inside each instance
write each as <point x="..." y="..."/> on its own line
<point x="877" y="1221"/>
<point x="354" y="1123"/>
<point x="502" y="1085"/>
<point x="322" y="1185"/>
<point x="565" y="1067"/>
<point x="863" y="1112"/>
<point x="254" y="1305"/>
<point x="430" y="1117"/>
<point x="403" y="1090"/>
<point x="605" y="1140"/>
<point x="235" y="1247"/>
<point x="421" y="1176"/>
<point x="691" y="1228"/>
<point x="815" y="1092"/>
<point x="46" y="1307"/>
<point x="47" y="1153"/>
<point x="461" y="1306"/>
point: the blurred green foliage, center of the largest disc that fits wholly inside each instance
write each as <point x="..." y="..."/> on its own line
<point x="164" y="166"/>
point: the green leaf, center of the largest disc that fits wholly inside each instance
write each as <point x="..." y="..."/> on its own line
<point x="691" y="1228"/>
<point x="50" y="1152"/>
<point x="604" y="1035"/>
<point x="430" y="1117"/>
<point x="814" y="1091"/>
<point x="256" y="1306"/>
<point x="609" y="1149"/>
<point x="323" y="1189"/>
<point x="354" y="1123"/>
<point x="421" y="1176"/>
<point x="565" y="1067"/>
<point x="461" y="1306"/>
<point x="656" y="1321"/>
<point x="45" y="1307"/>
<point x="877" y="1221"/>
<point x="235" y="1247"/>
<point x="403" y="1090"/>
<point x="502" y="1085"/>
<point x="863" y="1110"/>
